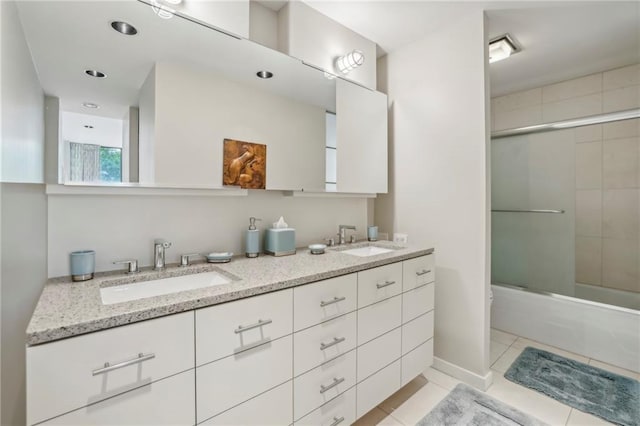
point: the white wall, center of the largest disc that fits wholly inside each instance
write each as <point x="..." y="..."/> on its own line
<point x="439" y="189"/>
<point x="229" y="16"/>
<point x="192" y="224"/>
<point x="54" y="154"/>
<point x="263" y="25"/>
<point x="147" y="125"/>
<point x="194" y="117"/>
<point x="24" y="272"/>
<point x="22" y="105"/>
<point x="316" y="39"/>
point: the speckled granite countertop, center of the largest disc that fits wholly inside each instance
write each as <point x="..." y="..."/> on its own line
<point x="68" y="309"/>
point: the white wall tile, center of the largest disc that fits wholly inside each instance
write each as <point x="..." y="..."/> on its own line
<point x="620" y="214"/>
<point x="571" y="108"/>
<point x="621" y="77"/>
<point x="589" y="213"/>
<point x="620" y="264"/>
<point x="621" y="129"/>
<point x="589" y="260"/>
<point x="520" y="117"/>
<point x="573" y="88"/>
<point x="589" y="165"/>
<point x="620" y="163"/>
<point x="525" y="98"/>
<point x="588" y="133"/>
<point x="621" y="99"/>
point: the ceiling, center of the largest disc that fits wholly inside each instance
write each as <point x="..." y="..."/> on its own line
<point x="560" y="40"/>
<point x="65" y="38"/>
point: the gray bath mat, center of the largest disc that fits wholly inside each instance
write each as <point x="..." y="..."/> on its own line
<point x="610" y="396"/>
<point x="465" y="406"/>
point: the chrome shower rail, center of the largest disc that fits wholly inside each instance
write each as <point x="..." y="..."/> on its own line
<point x="530" y="211"/>
<point x="567" y="124"/>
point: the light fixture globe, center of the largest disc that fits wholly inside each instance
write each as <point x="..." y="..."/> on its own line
<point x="161" y="10"/>
<point x="345" y="64"/>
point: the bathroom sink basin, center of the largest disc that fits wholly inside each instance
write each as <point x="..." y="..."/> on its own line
<point x="141" y="290"/>
<point x="367" y="251"/>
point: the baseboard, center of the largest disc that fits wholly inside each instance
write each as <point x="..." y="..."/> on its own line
<point x="464" y="375"/>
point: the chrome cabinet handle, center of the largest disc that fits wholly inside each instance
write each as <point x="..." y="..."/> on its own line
<point x="335" y="383"/>
<point x="243" y="328"/>
<point x="335" y="341"/>
<point x="424" y="271"/>
<point x="385" y="284"/>
<point x="332" y="301"/>
<point x="108" y="367"/>
<point x="337" y="421"/>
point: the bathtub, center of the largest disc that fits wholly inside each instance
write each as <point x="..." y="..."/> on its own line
<point x="595" y="330"/>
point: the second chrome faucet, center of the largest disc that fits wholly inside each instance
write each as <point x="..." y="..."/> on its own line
<point x="159" y="247"/>
<point x="342" y="233"/>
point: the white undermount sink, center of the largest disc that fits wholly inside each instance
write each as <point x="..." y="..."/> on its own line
<point x="141" y="290"/>
<point x="367" y="251"/>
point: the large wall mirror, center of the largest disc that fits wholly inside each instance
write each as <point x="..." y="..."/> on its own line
<point x="170" y="96"/>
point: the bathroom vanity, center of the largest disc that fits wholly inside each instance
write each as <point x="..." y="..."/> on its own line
<point x="301" y="339"/>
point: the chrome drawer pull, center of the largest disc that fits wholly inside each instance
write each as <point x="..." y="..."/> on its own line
<point x="337" y="421"/>
<point x="335" y="383"/>
<point x="385" y="284"/>
<point x="424" y="271"/>
<point x="336" y="340"/>
<point x="331" y="302"/>
<point x="108" y="367"/>
<point x="243" y="328"/>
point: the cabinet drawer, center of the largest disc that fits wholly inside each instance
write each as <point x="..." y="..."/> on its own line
<point x="377" y="319"/>
<point x="321" y="301"/>
<point x="233" y="327"/>
<point x="341" y="410"/>
<point x="417" y="331"/>
<point x="379" y="352"/>
<point x="377" y="388"/>
<point x="379" y="283"/>
<point x="417" y="361"/>
<point x="417" y="301"/>
<point x="168" y="401"/>
<point x="78" y="364"/>
<point x="323" y="342"/>
<point x="225" y="383"/>
<point x="273" y="407"/>
<point x="323" y="383"/>
<point x="418" y="271"/>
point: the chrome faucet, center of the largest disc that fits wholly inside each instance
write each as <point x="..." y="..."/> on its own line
<point x="159" y="247"/>
<point x="342" y="231"/>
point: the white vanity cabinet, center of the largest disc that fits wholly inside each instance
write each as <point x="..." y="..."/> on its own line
<point x="77" y="372"/>
<point x="243" y="349"/>
<point x="323" y="353"/>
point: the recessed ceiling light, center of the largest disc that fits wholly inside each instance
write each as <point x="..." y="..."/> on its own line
<point x="264" y="74"/>
<point x="95" y="73"/>
<point x="124" y="28"/>
<point x="88" y="126"/>
<point x="502" y="47"/>
<point x="90" y="105"/>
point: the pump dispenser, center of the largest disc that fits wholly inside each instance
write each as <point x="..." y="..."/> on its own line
<point x="252" y="241"/>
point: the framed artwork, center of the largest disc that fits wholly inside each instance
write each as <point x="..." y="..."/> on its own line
<point x="244" y="164"/>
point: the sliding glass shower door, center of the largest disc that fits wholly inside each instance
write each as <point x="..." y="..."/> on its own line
<point x="533" y="205"/>
<point x="566" y="212"/>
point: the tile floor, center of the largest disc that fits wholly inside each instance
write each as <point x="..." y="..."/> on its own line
<point x="411" y="403"/>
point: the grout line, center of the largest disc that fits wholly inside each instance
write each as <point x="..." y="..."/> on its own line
<point x="568" y="417"/>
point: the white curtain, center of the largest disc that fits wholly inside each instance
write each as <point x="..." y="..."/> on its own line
<point x="84" y="162"/>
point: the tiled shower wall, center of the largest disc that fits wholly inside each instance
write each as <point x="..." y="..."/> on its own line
<point x="607" y="169"/>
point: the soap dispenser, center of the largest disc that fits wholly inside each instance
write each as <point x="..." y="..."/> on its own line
<point x="252" y="241"/>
